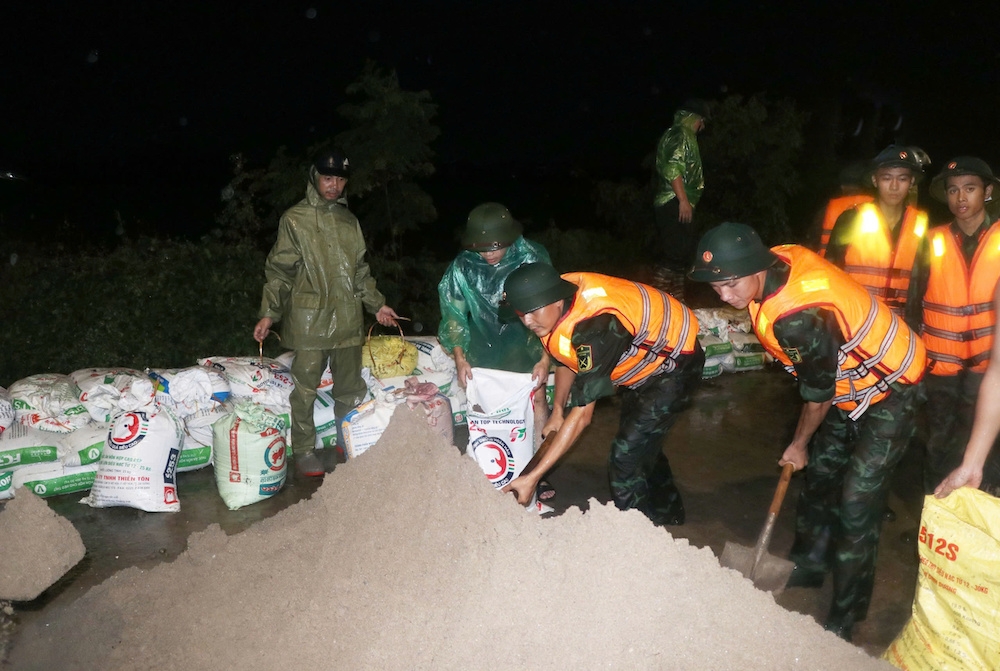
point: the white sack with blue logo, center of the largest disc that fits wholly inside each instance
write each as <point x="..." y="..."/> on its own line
<point x="250" y="454"/>
<point x="501" y="423"/>
<point x="138" y="467"/>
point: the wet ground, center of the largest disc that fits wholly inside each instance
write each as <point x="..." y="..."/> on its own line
<point x="723" y="452"/>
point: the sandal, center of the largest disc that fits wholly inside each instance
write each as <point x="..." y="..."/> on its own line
<point x="545" y="491"/>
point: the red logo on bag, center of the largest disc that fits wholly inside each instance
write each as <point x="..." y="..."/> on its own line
<point x="495" y="458"/>
<point x="274" y="455"/>
<point x="169" y="495"/>
<point x="234" y="476"/>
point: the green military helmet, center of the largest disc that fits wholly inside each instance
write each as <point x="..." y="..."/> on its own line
<point x="730" y="251"/>
<point x="962" y="165"/>
<point x="490" y="227"/>
<point x="899" y="156"/>
<point x="533" y="286"/>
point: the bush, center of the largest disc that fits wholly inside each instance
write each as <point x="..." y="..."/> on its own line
<point x="146" y="303"/>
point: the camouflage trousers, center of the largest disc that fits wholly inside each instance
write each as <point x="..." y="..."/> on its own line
<point x="951" y="409"/>
<point x="839" y="514"/>
<point x="638" y="471"/>
<point x="307" y="370"/>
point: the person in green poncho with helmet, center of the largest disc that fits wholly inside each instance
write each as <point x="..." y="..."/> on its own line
<point x="470" y="293"/>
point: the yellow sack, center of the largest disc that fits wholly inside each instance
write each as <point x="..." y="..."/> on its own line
<point x="955" y="623"/>
<point x="389" y="356"/>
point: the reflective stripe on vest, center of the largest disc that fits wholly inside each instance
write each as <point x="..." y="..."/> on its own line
<point x="836" y="207"/>
<point x="959" y="322"/>
<point x="878" y="348"/>
<point x="662" y="328"/>
<point x="871" y="260"/>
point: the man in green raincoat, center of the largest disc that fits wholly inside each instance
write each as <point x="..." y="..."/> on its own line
<point x="680" y="182"/>
<point x="470" y="293"/>
<point x="317" y="281"/>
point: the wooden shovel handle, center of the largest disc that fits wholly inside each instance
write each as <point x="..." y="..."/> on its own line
<point x="779" y="493"/>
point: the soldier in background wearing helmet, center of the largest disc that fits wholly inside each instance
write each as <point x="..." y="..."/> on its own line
<point x="853" y="192"/>
<point x="317" y="281"/>
<point x="470" y="292"/>
<point x="876" y="243"/>
<point x="954" y="278"/>
<point x="680" y="182"/>
<point x="858" y="409"/>
<point x="606" y="333"/>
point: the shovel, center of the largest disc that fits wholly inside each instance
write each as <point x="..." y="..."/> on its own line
<point x="767" y="572"/>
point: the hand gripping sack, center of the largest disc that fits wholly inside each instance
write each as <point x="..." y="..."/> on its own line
<point x="501" y="423"/>
<point x="250" y="454"/>
<point x="953" y="624"/>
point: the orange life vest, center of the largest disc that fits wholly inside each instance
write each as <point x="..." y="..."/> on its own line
<point x="958" y="304"/>
<point x="662" y="328"/>
<point x="879" y="348"/>
<point x="836" y="207"/>
<point x="871" y="260"/>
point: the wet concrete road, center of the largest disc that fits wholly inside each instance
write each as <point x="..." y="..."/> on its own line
<point x="723" y="452"/>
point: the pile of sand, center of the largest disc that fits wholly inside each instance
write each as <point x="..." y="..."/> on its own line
<point x="37" y="547"/>
<point x="406" y="558"/>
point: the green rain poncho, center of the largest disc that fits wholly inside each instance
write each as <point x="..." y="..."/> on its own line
<point x="470" y="293"/>
<point x="317" y="276"/>
<point x="677" y="155"/>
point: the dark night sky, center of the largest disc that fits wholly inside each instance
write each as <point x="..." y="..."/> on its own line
<point x="149" y="99"/>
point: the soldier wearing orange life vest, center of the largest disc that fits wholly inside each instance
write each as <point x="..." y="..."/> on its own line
<point x="608" y="333"/>
<point x="858" y="368"/>
<point x="876" y="243"/>
<point x="955" y="276"/>
<point x="852" y="194"/>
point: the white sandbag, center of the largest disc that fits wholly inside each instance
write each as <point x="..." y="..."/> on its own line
<point x="191" y="390"/>
<point x="198" y="438"/>
<point x="7" y="415"/>
<point x="719" y="356"/>
<point x="501" y="423"/>
<point x="250" y="455"/>
<point x="430" y="354"/>
<point x="100" y="389"/>
<point x="138" y="467"/>
<point x="49" y="402"/>
<point x="265" y="381"/>
<point x="53" y="479"/>
<point x="84" y="446"/>
<point x="22" y="445"/>
<point x="363" y="426"/>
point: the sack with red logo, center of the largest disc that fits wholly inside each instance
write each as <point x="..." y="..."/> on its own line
<point x="501" y="423"/>
<point x="138" y="467"/>
<point x="250" y="454"/>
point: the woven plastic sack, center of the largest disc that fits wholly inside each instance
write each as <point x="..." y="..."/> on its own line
<point x="953" y="624"/>
<point x="250" y="454"/>
<point x="388" y="356"/>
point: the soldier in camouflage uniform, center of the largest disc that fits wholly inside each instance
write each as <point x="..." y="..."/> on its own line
<point x="858" y="409"/>
<point x="606" y="333"/>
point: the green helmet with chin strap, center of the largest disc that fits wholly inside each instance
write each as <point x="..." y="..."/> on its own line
<point x="730" y="251"/>
<point x="533" y="286"/>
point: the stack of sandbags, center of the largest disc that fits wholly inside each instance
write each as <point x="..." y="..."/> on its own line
<point x="727" y="336"/>
<point x="264" y="381"/>
<point x="53" y="447"/>
<point x="198" y="396"/>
